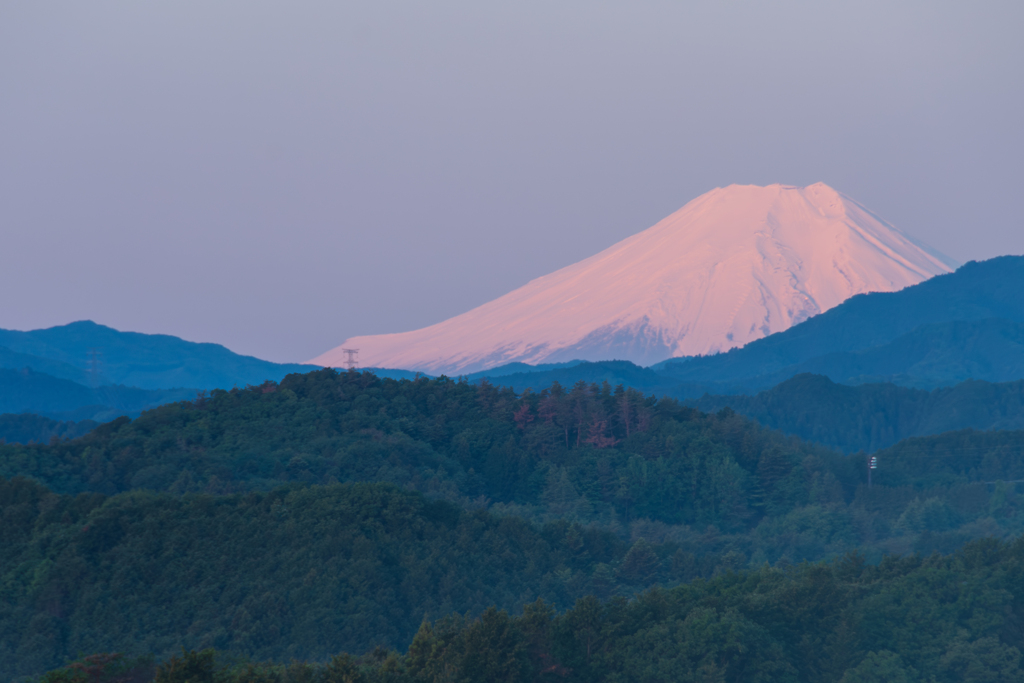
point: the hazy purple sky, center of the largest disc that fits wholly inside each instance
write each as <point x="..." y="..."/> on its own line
<point x="279" y="176"/>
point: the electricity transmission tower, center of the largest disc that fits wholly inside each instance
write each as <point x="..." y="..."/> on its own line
<point x="103" y="392"/>
<point x="95" y="367"/>
<point x="351" y="362"/>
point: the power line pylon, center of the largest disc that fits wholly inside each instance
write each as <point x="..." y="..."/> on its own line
<point x="351" y="362"/>
<point x="95" y="367"/>
<point x="101" y="390"/>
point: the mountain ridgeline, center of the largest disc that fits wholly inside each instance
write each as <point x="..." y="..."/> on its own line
<point x="967" y="325"/>
<point x="91" y="354"/>
<point x="864" y="417"/>
<point x="264" y="521"/>
<point x="964" y="325"/>
<point x="873" y="416"/>
<point x="85" y="371"/>
<point x="28" y="391"/>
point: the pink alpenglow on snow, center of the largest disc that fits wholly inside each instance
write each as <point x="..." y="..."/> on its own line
<point x="733" y="265"/>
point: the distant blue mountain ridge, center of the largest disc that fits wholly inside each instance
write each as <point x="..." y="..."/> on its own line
<point x="27" y="391"/>
<point x="967" y="325"/>
<point x="86" y="371"/>
<point x="92" y="354"/>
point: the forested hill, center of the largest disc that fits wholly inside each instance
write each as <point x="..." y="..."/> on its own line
<point x="952" y="619"/>
<point x="26" y="428"/>
<point x="300" y="573"/>
<point x="591" y="454"/>
<point x="614" y="372"/>
<point x="872" y="416"/>
<point x="563" y="492"/>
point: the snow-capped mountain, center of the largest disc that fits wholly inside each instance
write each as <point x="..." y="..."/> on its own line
<point x="731" y="266"/>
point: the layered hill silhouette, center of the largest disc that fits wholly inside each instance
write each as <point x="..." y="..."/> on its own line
<point x="26" y="391"/>
<point x="865" y="417"/>
<point x="963" y="326"/>
<point x="27" y="428"/>
<point x="92" y="354"/>
<point x="86" y="371"/>
<point x="733" y="265"/>
<point x="562" y="494"/>
<point x="873" y="416"/>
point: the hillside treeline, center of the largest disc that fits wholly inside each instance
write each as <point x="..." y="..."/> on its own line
<point x="26" y="390"/>
<point x="873" y="416"/>
<point x="942" y="619"/>
<point x="591" y="455"/>
<point x="28" y="428"/>
<point x="293" y="573"/>
<point x="235" y="521"/>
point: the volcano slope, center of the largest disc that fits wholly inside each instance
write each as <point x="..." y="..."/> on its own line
<point x="732" y="266"/>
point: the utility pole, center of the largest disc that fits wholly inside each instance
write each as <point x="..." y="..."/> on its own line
<point x="351" y="362"/>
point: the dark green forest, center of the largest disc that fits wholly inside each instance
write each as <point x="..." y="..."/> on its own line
<point x="334" y="511"/>
<point x="28" y="428"/>
<point x="593" y="455"/>
<point x="873" y="416"/>
<point x="294" y="573"/>
<point x="943" y="619"/>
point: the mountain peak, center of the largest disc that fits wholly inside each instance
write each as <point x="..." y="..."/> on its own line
<point x="731" y="266"/>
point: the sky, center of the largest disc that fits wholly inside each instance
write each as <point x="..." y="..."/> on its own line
<point x="279" y="176"/>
